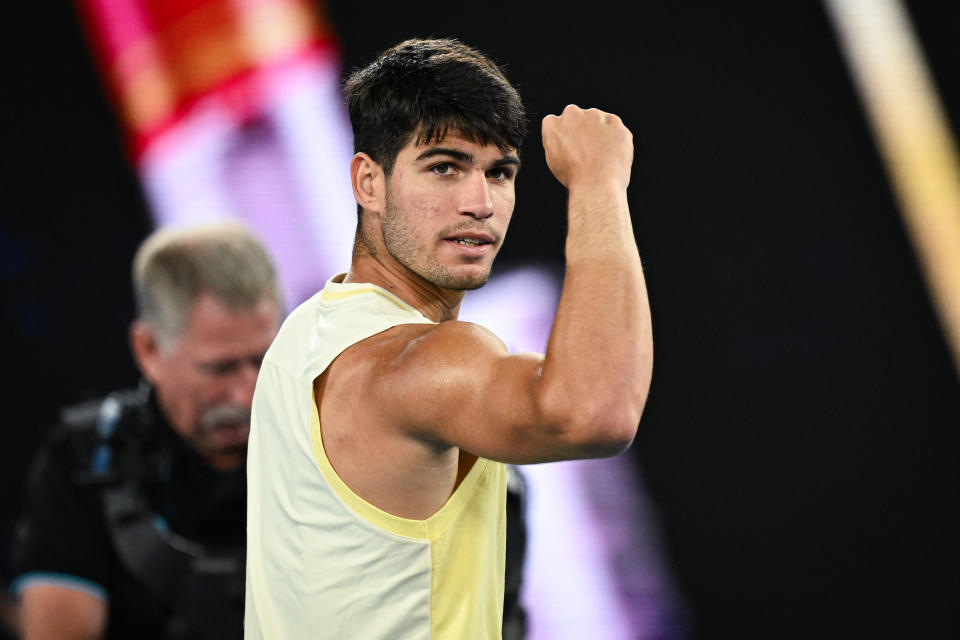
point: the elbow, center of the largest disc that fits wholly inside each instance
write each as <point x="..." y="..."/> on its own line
<point x="607" y="431"/>
<point x="598" y="428"/>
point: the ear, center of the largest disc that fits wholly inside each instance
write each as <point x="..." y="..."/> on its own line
<point x="369" y="182"/>
<point x="145" y="345"/>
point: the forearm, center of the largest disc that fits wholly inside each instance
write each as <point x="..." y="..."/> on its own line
<point x="599" y="357"/>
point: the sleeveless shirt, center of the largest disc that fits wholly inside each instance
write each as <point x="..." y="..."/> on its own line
<point x="321" y="561"/>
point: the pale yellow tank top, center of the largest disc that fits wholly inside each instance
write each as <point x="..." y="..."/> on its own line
<point x="321" y="561"/>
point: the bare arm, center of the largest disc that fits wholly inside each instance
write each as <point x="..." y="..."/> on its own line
<point x="50" y="612"/>
<point x="600" y="354"/>
<point x="456" y="384"/>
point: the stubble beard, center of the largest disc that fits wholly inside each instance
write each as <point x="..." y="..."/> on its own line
<point x="400" y="240"/>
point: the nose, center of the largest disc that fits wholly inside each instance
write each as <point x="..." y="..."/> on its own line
<point x="477" y="201"/>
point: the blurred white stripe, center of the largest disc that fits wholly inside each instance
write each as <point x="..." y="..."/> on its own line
<point x="914" y="136"/>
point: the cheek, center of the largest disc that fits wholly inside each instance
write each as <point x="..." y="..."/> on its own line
<point x="503" y="204"/>
<point x="431" y="210"/>
<point x="188" y="393"/>
<point x="429" y="206"/>
<point x="183" y="388"/>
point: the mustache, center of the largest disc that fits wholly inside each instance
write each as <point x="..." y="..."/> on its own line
<point x="471" y="226"/>
<point x="224" y="414"/>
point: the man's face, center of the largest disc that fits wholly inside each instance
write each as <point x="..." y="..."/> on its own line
<point x="205" y="378"/>
<point x="447" y="209"/>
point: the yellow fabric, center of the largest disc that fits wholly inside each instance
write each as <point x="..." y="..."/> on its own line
<point x="463" y="537"/>
<point x="321" y="561"/>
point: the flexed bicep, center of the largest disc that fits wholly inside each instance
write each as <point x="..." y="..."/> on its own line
<point x="457" y="384"/>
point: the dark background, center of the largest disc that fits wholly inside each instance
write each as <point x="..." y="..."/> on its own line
<point x="801" y="435"/>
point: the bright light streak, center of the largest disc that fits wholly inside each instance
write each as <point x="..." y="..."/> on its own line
<point x="901" y="101"/>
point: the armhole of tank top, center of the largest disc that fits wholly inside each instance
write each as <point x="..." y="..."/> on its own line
<point x="429" y="528"/>
<point x="360" y="507"/>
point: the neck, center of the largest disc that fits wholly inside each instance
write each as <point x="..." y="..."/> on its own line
<point x="383" y="270"/>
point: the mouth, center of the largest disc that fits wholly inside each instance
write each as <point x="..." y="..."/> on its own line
<point x="473" y="244"/>
<point x="230" y="426"/>
<point x="230" y="434"/>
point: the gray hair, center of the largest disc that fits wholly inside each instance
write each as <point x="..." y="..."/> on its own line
<point x="174" y="266"/>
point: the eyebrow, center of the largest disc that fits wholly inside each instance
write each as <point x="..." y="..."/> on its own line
<point x="466" y="158"/>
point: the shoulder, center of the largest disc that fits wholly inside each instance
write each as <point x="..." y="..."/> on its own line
<point x="408" y="377"/>
<point x="73" y="436"/>
<point x="406" y="349"/>
<point x="406" y="364"/>
<point x="71" y="443"/>
<point x="91" y="414"/>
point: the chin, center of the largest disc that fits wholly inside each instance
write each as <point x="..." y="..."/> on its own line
<point x="467" y="285"/>
<point x="233" y="437"/>
<point x="461" y="282"/>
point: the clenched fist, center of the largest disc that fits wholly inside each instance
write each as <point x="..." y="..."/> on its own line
<point x="588" y="146"/>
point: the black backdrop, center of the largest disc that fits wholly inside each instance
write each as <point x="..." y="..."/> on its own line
<point x="800" y="439"/>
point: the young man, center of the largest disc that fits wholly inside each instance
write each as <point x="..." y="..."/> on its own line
<point x="135" y="513"/>
<point x="381" y="424"/>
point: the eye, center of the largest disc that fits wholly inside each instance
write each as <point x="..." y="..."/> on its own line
<point x="220" y="367"/>
<point x="500" y="173"/>
<point x="442" y="169"/>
